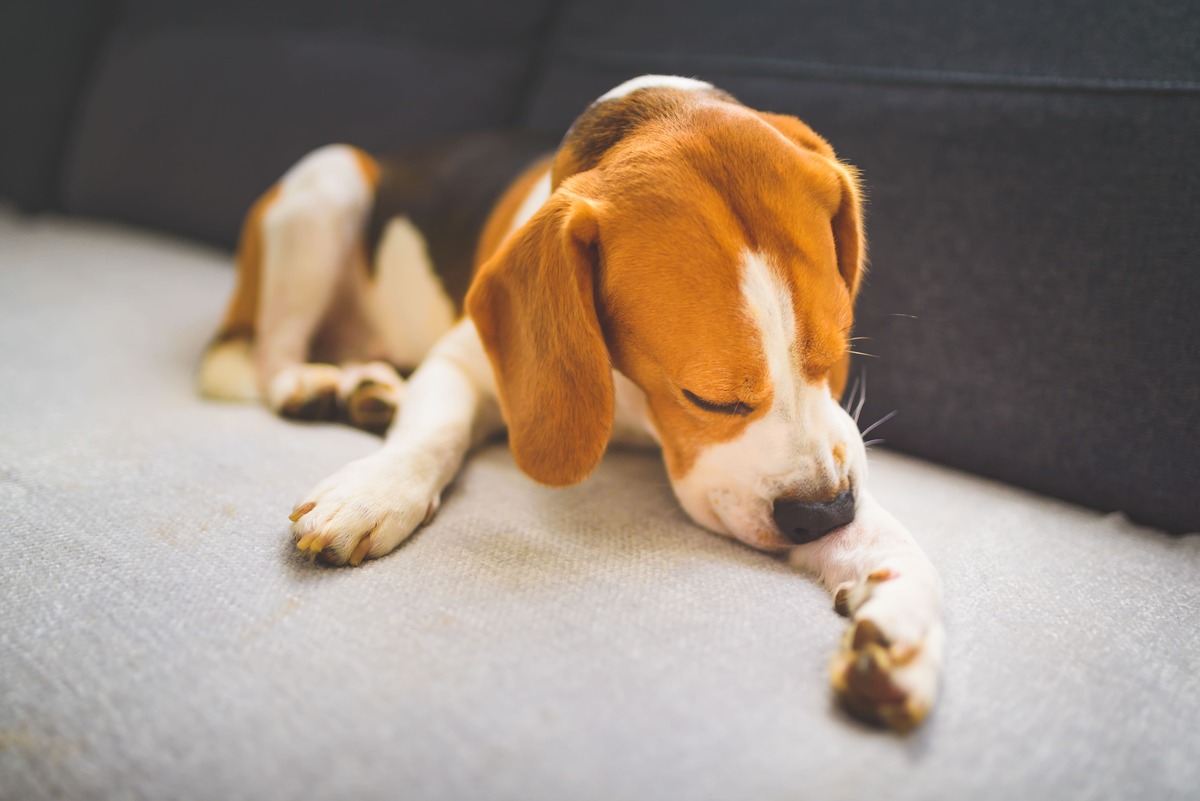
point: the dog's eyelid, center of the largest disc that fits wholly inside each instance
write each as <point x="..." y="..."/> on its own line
<point x="736" y="408"/>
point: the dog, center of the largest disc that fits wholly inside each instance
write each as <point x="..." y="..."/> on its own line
<point x="681" y="271"/>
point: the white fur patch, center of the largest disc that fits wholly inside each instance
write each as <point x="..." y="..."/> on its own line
<point x="331" y="178"/>
<point x="653" y="81"/>
<point x="227" y="372"/>
<point x="769" y="304"/>
<point x="406" y="302"/>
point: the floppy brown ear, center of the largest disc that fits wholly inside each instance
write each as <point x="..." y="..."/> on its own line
<point x="848" y="234"/>
<point x="848" y="237"/>
<point x="534" y="306"/>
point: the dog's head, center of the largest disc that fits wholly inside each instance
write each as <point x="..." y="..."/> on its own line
<point x="711" y="254"/>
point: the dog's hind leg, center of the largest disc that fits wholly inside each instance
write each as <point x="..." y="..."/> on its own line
<point x="311" y="237"/>
<point x="227" y="366"/>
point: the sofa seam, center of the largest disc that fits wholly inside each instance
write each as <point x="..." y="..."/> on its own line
<point x="760" y="66"/>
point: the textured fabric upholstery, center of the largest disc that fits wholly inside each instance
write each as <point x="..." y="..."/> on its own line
<point x="160" y="640"/>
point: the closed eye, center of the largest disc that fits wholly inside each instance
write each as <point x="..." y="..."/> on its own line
<point x="737" y="407"/>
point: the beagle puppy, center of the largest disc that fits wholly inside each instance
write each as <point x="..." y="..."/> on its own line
<point x="681" y="271"/>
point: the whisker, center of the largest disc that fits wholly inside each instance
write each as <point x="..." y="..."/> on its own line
<point x="859" y="339"/>
<point x="879" y="422"/>
<point x="860" y="353"/>
<point x="850" y="397"/>
<point x="871" y="442"/>
<point x="862" y="398"/>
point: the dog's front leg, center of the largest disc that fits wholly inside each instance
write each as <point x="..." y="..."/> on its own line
<point x="373" y="504"/>
<point x="889" y="664"/>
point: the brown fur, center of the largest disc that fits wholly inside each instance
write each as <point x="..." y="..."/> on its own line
<point x="448" y="188"/>
<point x="369" y="166"/>
<point x="603" y="125"/>
<point x="534" y="307"/>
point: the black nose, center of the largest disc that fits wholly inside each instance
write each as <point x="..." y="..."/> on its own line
<point x="801" y="521"/>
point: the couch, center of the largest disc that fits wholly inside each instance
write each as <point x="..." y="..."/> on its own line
<point x="1032" y="213"/>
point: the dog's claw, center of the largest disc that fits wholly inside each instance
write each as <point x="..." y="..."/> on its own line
<point x="841" y="599"/>
<point x="881" y="575"/>
<point x="360" y="551"/>
<point x="903" y="652"/>
<point x="312" y="544"/>
<point x="301" y="511"/>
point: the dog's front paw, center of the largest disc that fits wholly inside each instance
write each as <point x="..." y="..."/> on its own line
<point x="889" y="665"/>
<point x="363" y="511"/>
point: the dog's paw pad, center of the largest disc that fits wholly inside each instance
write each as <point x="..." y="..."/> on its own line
<point x="369" y="395"/>
<point x="370" y="408"/>
<point x="306" y="392"/>
<point x="868" y="683"/>
<point x="887" y="669"/>
<point x="864" y="633"/>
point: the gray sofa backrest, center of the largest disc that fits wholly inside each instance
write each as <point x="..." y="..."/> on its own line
<point x="196" y="107"/>
<point x="47" y="51"/>
<point x="1031" y="169"/>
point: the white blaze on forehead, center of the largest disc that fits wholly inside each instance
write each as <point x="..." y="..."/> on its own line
<point x="653" y="82"/>
<point x="769" y="304"/>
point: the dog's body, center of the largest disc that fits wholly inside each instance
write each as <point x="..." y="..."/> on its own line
<point x="681" y="271"/>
